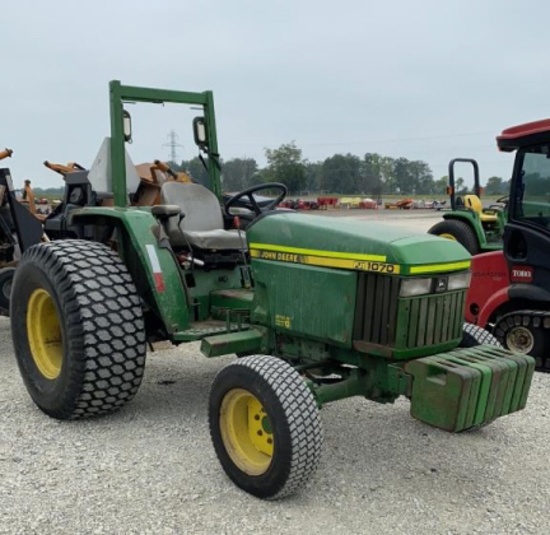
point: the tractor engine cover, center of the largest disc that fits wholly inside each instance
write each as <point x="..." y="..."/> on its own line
<point x="340" y="282"/>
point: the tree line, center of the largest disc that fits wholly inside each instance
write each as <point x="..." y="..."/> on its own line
<point x="348" y="174"/>
<point x="372" y="174"/>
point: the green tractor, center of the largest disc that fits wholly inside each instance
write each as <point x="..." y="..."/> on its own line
<point x="316" y="310"/>
<point x="478" y="229"/>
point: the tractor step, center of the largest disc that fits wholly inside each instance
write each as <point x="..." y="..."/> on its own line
<point x="469" y="387"/>
<point x="201" y="329"/>
<point x="236" y="342"/>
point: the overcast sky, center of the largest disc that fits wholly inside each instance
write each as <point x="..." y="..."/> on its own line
<point x="423" y="79"/>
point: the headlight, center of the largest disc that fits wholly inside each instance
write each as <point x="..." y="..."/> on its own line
<point x="410" y="287"/>
<point x="459" y="281"/>
<point x="444" y="283"/>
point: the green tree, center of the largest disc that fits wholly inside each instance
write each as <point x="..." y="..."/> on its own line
<point x="495" y="186"/>
<point x="387" y="172"/>
<point x="313" y="176"/>
<point x="196" y="170"/>
<point x="422" y="177"/>
<point x="372" y="171"/>
<point x="237" y="173"/>
<point x="460" y="186"/>
<point x="286" y="165"/>
<point x="440" y="185"/>
<point x="342" y="173"/>
<point x="405" y="181"/>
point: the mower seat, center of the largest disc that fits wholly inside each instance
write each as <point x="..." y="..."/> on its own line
<point x="473" y="202"/>
<point x="202" y="224"/>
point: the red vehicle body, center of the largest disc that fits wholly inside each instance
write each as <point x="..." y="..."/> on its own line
<point x="488" y="289"/>
<point x="510" y="289"/>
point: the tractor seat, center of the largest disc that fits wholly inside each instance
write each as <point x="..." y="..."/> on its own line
<point x="202" y="226"/>
<point x="473" y="202"/>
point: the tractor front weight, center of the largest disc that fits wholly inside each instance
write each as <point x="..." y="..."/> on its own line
<point x="454" y="391"/>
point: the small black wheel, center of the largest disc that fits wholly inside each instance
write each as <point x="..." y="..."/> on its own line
<point x="474" y="335"/>
<point x="457" y="230"/>
<point x="6" y="280"/>
<point x="77" y="329"/>
<point x="524" y="332"/>
<point x="265" y="426"/>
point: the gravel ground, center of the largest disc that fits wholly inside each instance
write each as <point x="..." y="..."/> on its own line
<point x="150" y="468"/>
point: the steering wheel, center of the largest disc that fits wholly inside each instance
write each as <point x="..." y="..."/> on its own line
<point x="501" y="201"/>
<point x="252" y="203"/>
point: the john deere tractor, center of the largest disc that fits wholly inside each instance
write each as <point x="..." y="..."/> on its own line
<point x="477" y="228"/>
<point x="316" y="310"/>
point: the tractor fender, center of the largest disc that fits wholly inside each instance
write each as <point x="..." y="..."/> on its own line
<point x="488" y="288"/>
<point x="529" y="292"/>
<point x="150" y="260"/>
<point x="488" y="308"/>
<point x="515" y="292"/>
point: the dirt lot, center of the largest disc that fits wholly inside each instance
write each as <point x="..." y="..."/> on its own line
<point x="150" y="468"/>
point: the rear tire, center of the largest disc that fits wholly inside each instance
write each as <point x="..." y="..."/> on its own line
<point x="474" y="335"/>
<point x="77" y="328"/>
<point x="459" y="231"/>
<point x="265" y="426"/>
<point x="6" y="281"/>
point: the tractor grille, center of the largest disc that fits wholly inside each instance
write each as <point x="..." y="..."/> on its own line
<point x="425" y="320"/>
<point x="376" y="308"/>
<point x="434" y="319"/>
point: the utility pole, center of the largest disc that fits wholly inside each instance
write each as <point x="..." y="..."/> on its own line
<point x="173" y="144"/>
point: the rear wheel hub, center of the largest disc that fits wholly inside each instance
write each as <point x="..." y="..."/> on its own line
<point x="44" y="334"/>
<point x="520" y="339"/>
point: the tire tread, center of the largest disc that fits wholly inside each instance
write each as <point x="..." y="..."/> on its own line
<point x="99" y="301"/>
<point x="461" y="230"/>
<point x="301" y="414"/>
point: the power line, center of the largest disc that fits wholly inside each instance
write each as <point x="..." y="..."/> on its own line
<point x="364" y="142"/>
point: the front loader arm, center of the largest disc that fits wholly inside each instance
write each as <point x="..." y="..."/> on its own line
<point x="6" y="153"/>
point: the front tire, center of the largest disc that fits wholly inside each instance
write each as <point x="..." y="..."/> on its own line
<point x="474" y="335"/>
<point x="77" y="329"/>
<point x="265" y="426"/>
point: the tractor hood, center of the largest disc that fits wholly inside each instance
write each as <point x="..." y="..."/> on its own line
<point x="352" y="244"/>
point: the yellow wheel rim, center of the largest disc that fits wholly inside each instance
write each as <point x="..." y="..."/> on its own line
<point x="44" y="334"/>
<point x="448" y="236"/>
<point x="246" y="432"/>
